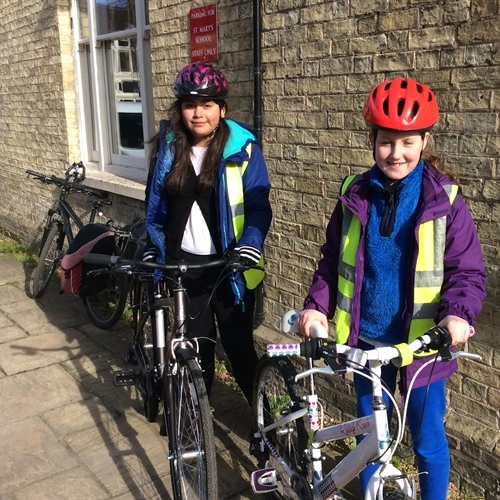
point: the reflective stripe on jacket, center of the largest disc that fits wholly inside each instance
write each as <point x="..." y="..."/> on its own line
<point x="429" y="271"/>
<point x="236" y="195"/>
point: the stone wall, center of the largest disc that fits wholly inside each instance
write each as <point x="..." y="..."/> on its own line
<point x="320" y="59"/>
<point x="38" y="121"/>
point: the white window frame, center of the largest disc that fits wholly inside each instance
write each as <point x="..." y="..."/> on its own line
<point x="101" y="157"/>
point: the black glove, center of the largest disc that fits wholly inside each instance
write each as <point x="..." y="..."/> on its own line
<point x="149" y="255"/>
<point x="248" y="255"/>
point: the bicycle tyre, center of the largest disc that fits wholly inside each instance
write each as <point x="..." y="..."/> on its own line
<point x="276" y="394"/>
<point x="49" y="258"/>
<point x="147" y="381"/>
<point x="193" y="463"/>
<point x="391" y="493"/>
<point x="106" y="307"/>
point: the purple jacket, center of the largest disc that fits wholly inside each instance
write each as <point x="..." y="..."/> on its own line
<point x="463" y="289"/>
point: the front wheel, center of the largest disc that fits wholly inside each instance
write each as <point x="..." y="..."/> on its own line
<point x="276" y="395"/>
<point x="106" y="299"/>
<point x="391" y="493"/>
<point x="50" y="257"/>
<point x="191" y="436"/>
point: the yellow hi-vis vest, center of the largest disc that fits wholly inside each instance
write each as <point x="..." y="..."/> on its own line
<point x="429" y="272"/>
<point x="234" y="176"/>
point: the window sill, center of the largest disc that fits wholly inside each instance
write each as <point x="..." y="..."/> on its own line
<point x="115" y="184"/>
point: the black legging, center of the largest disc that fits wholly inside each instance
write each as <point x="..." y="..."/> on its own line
<point x="235" y="323"/>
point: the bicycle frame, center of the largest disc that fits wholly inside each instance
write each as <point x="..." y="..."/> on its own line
<point x="61" y="207"/>
<point x="67" y="214"/>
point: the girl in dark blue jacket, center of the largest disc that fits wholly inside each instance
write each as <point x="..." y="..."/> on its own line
<point x="207" y="193"/>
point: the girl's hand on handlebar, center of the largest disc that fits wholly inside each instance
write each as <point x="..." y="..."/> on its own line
<point x="306" y="318"/>
<point x="149" y="255"/>
<point x="459" y="329"/>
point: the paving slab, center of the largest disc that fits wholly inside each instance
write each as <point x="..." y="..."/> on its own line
<point x="30" y="456"/>
<point x="34" y="392"/>
<point x="72" y="484"/>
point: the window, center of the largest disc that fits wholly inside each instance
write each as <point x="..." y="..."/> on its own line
<point x="115" y="89"/>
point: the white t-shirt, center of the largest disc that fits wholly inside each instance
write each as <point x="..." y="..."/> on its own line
<point x="197" y="239"/>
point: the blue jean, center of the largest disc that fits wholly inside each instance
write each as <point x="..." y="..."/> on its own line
<point x="430" y="444"/>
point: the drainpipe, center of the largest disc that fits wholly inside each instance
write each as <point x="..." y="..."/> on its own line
<point x="257" y="70"/>
<point x="257" y="93"/>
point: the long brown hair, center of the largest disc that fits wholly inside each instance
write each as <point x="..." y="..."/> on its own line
<point x="182" y="162"/>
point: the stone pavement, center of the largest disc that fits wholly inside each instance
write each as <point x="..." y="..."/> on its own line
<point x="65" y="431"/>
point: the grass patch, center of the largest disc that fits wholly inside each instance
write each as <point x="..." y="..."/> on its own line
<point x="9" y="246"/>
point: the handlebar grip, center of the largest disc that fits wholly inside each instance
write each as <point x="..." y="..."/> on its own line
<point x="101" y="259"/>
<point x="275" y="350"/>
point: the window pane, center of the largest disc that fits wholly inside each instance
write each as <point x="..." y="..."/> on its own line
<point x="115" y="15"/>
<point x="89" y="99"/>
<point x="83" y="19"/>
<point x="125" y="97"/>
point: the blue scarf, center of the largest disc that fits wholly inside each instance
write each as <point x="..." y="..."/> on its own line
<point x="387" y="254"/>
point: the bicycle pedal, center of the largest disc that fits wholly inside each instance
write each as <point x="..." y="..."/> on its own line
<point x="123" y="378"/>
<point x="264" y="480"/>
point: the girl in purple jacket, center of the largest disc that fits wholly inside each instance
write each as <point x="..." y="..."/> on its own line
<point x="402" y="254"/>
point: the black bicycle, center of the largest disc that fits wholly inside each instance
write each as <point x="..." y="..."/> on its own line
<point x="169" y="372"/>
<point x="106" y="307"/>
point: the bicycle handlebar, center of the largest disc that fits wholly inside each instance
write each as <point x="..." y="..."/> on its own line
<point x="127" y="265"/>
<point x="437" y="338"/>
<point x="72" y="186"/>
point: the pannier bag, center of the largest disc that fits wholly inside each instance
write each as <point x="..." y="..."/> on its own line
<point x="92" y="238"/>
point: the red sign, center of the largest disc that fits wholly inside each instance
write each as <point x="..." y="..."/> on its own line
<point x="204" y="33"/>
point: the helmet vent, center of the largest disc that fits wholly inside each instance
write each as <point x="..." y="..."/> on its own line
<point x="401" y="106"/>
<point x="419" y="88"/>
<point x="385" y="107"/>
<point x="415" y="109"/>
<point x="404" y="84"/>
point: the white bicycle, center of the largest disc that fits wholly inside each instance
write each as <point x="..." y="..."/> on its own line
<point x="287" y="416"/>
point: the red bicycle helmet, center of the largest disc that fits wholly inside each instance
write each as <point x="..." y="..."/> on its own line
<point x="402" y="104"/>
<point x="201" y="80"/>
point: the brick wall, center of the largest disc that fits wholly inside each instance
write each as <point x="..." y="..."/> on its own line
<point x="320" y="59"/>
<point x="38" y="121"/>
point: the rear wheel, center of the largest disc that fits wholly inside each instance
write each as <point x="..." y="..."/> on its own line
<point x="191" y="437"/>
<point x="105" y="308"/>
<point x="49" y="259"/>
<point x="276" y="394"/>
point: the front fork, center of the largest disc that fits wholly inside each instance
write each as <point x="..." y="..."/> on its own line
<point x="46" y="229"/>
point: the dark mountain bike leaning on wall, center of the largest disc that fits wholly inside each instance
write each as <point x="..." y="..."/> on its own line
<point x="106" y="302"/>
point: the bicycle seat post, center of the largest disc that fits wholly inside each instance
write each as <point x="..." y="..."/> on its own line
<point x="160" y="331"/>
